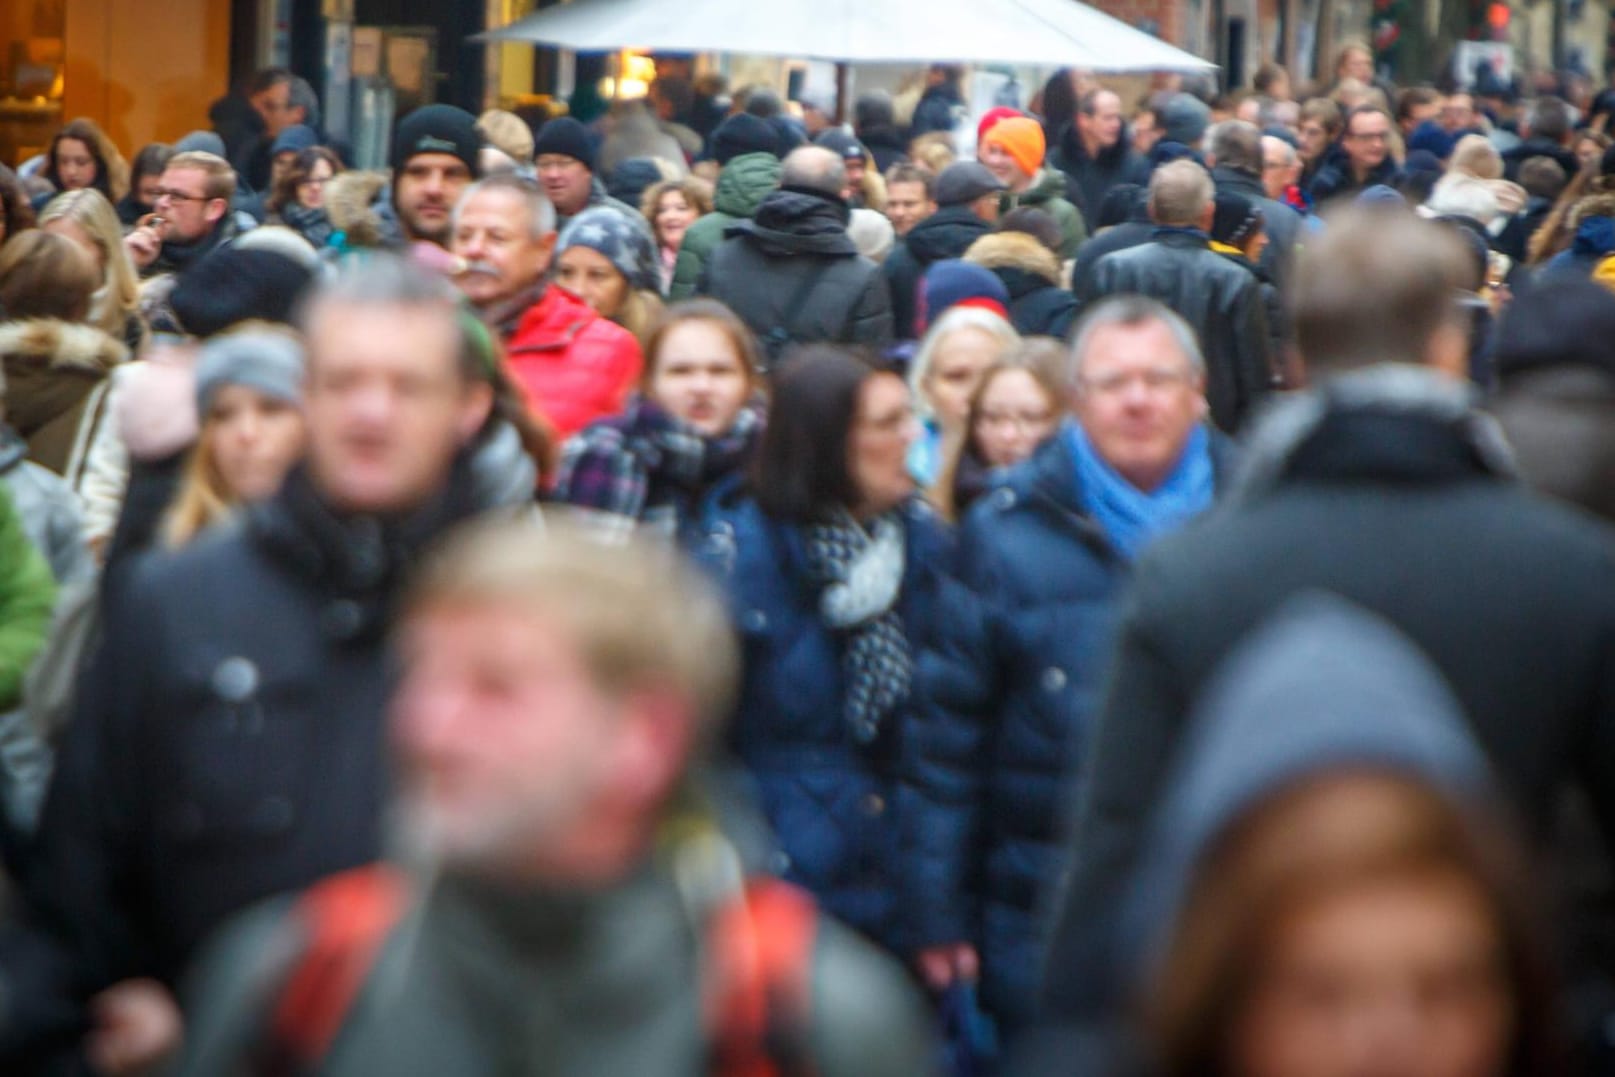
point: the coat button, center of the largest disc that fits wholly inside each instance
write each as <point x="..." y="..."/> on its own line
<point x="864" y="732"/>
<point x="1053" y="679"/>
<point x="1004" y="498"/>
<point x="754" y="620"/>
<point x="780" y="862"/>
<point x="874" y="805"/>
<point x="235" y="680"/>
<point x="342" y="619"/>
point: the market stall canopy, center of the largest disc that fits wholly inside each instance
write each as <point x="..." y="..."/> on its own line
<point x="1061" y="33"/>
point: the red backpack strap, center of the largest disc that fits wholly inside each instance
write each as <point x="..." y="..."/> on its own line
<point x="345" y="920"/>
<point x="760" y="961"/>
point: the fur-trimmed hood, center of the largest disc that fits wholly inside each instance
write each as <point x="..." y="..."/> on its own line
<point x="61" y="345"/>
<point x="359" y="206"/>
<point x="1015" y="250"/>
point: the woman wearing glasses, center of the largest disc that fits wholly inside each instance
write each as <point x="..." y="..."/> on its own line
<point x="298" y="201"/>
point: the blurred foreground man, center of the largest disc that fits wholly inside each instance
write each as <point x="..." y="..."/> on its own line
<point x="1383" y="486"/>
<point x="227" y="741"/>
<point x="572" y="906"/>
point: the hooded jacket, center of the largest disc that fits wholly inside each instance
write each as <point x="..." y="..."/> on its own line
<point x="1038" y="306"/>
<point x="945" y="234"/>
<point x="1594" y="241"/>
<point x="571" y="365"/>
<point x="793" y="275"/>
<point x="56" y="379"/>
<point x="1089" y="178"/>
<point x="1222" y="301"/>
<point x="742" y="186"/>
<point x="1047" y="193"/>
<point x="1384" y="487"/>
<point x="360" y="211"/>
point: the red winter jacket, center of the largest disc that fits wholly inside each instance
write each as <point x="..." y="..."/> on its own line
<point x="572" y="365"/>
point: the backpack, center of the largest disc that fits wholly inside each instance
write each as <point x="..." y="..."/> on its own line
<point x="759" y="949"/>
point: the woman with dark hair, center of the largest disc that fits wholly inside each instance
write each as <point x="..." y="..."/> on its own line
<point x="694" y="423"/>
<point x="832" y="567"/>
<point x="16" y="212"/>
<point x="81" y="155"/>
<point x="145" y="180"/>
<point x="298" y="200"/>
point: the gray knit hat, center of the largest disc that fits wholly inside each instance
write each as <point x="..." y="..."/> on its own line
<point x="266" y="360"/>
<point x="626" y="243"/>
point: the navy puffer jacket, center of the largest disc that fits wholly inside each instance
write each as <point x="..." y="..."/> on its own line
<point x="831" y="801"/>
<point x="1009" y="684"/>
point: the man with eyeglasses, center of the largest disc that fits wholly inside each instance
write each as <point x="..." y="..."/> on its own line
<point x="1366" y="141"/>
<point x="1014" y="682"/>
<point x="191" y="215"/>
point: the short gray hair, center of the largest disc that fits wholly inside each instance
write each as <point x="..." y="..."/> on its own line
<point x="1130" y="311"/>
<point x="299" y="94"/>
<point x="814" y="168"/>
<point x="540" y="212"/>
<point x="1269" y="141"/>
<point x="383" y="279"/>
<point x="1180" y="191"/>
<point x="1236" y="144"/>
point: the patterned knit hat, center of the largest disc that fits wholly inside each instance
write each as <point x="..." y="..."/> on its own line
<point x="625" y="243"/>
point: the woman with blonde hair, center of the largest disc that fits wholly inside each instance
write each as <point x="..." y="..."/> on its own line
<point x="946" y="370"/>
<point x="90" y="221"/>
<point x="605" y="258"/>
<point x="249" y="403"/>
<point x="671" y="206"/>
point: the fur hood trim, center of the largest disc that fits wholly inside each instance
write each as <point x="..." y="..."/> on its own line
<point x="1015" y="250"/>
<point x="350" y="202"/>
<point x="62" y="345"/>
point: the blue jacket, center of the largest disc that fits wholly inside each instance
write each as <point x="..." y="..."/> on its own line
<point x="832" y="802"/>
<point x="1009" y="687"/>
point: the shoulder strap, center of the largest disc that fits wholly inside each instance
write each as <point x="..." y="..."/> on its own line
<point x="760" y="951"/>
<point x="345" y="920"/>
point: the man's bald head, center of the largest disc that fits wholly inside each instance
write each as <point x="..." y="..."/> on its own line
<point x="815" y="169"/>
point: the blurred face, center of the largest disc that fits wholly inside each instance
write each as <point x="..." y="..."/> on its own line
<point x="956" y="368"/>
<point x="1314" y="139"/>
<point x="1003" y="166"/>
<point x="1402" y="977"/>
<point x="699" y="377"/>
<point x="75" y="166"/>
<point x="255" y="439"/>
<point x="311" y="192"/>
<point x="1104" y="127"/>
<point x="855" y="176"/>
<point x="907" y="205"/>
<point x="185" y="207"/>
<point x="1249" y="110"/>
<point x="274" y="105"/>
<point x="1418" y="114"/>
<point x="1280" y="168"/>
<point x="1458" y="112"/>
<point x="1357" y="64"/>
<point x="882" y="432"/>
<point x="1138" y="399"/>
<point x="425" y="193"/>
<point x="1146" y="133"/>
<point x="502" y="736"/>
<point x="71" y="229"/>
<point x="387" y="408"/>
<point x="591" y="276"/>
<point x="494" y="234"/>
<point x="146" y="190"/>
<point x="567" y="181"/>
<point x="1016" y="416"/>
<point x="1367" y="140"/>
<point x="1588" y="151"/>
<point x="674" y="215"/>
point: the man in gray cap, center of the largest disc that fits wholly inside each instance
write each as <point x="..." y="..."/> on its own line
<point x="1184" y="120"/>
<point x="967" y="207"/>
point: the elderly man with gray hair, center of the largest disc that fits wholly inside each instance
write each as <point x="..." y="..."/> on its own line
<point x="792" y="273"/>
<point x="1012" y="685"/>
<point x="1220" y="300"/>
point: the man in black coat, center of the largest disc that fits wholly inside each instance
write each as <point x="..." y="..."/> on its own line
<point x="1096" y="154"/>
<point x="1383" y="486"/>
<point x="967" y="206"/>
<point x="1545" y="129"/>
<point x="228" y="741"/>
<point x="1234" y="152"/>
<point x="1364" y="159"/>
<point x="1124" y="221"/>
<point x="792" y="273"/>
<point x="1222" y="301"/>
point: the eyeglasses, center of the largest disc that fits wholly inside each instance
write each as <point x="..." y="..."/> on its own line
<point x="178" y="196"/>
<point x="1370" y="136"/>
<point x="1025" y="422"/>
<point x="1155" y="381"/>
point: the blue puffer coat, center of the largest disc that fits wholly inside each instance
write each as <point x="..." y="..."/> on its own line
<point x="1009" y="683"/>
<point x="831" y="801"/>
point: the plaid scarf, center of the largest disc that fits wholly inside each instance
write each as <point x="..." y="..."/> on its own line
<point x="861" y="572"/>
<point x="646" y="469"/>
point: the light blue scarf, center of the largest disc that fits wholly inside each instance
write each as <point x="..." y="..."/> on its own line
<point x="1131" y="519"/>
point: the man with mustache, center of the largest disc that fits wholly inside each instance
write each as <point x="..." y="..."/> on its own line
<point x="571" y="365"/>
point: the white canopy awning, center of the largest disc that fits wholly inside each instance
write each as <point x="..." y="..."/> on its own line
<point x="1062" y="33"/>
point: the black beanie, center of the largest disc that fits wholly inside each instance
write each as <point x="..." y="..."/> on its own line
<point x="437" y="129"/>
<point x="567" y="137"/>
<point x="1569" y="323"/>
<point x="229" y="286"/>
<point x="741" y="134"/>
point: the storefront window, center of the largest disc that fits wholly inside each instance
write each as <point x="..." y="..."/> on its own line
<point x="31" y="63"/>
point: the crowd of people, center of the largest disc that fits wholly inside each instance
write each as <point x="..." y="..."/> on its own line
<point x="708" y="588"/>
